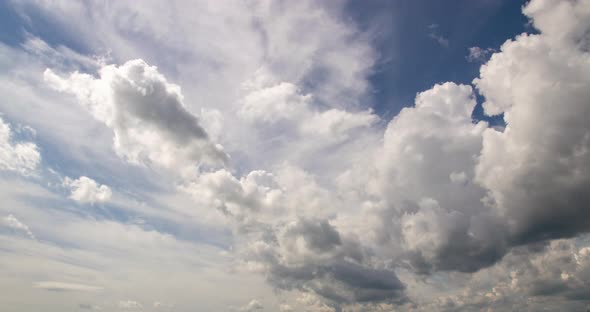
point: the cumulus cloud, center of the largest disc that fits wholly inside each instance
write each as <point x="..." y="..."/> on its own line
<point x="86" y="190"/>
<point x="15" y="224"/>
<point x="550" y="276"/>
<point x="437" y="213"/>
<point x="311" y="255"/>
<point x="146" y="113"/>
<point x="537" y="170"/>
<point x="430" y="210"/>
<point x="20" y="157"/>
<point x="281" y="107"/>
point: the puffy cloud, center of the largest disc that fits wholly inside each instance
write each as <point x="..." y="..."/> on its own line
<point x="145" y="111"/>
<point x="431" y="210"/>
<point x="86" y="190"/>
<point x="20" y="157"/>
<point x="469" y="208"/>
<point x="15" y="224"/>
<point x="283" y="103"/>
<point x="537" y="170"/>
<point x="310" y="255"/>
<point x="551" y="276"/>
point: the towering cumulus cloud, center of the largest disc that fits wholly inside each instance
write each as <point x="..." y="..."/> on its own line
<point x="537" y="170"/>
<point x="146" y="113"/>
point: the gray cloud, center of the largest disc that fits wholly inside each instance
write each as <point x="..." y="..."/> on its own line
<point x="311" y="255"/>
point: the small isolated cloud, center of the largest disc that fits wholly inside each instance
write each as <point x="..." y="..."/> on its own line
<point x="91" y="307"/>
<point x="61" y="286"/>
<point x="436" y="36"/>
<point x="444" y="42"/>
<point x="253" y="305"/>
<point x="86" y="190"/>
<point x="20" y="157"/>
<point x="479" y="55"/>
<point x="130" y="305"/>
<point x="162" y="305"/>
<point x="13" y="223"/>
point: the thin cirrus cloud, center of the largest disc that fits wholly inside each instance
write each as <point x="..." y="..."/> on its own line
<point x="310" y="198"/>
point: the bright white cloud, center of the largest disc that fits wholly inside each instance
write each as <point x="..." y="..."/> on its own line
<point x="86" y="190"/>
<point x="21" y="157"/>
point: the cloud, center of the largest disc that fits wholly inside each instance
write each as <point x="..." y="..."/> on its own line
<point x="550" y="276"/>
<point x="13" y="223"/>
<point x="20" y="157"/>
<point x="436" y="36"/>
<point x="430" y="209"/>
<point x="86" y="306"/>
<point x="130" y="305"/>
<point x="537" y="170"/>
<point x="62" y="286"/>
<point x="253" y="305"/>
<point x="310" y="255"/>
<point x="146" y="113"/>
<point x="438" y="212"/>
<point x="478" y="55"/>
<point x="284" y="104"/>
<point x="86" y="190"/>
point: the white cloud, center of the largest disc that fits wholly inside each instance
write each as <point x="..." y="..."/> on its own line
<point x="21" y="157"/>
<point x="536" y="169"/>
<point x="146" y="113"/>
<point x="272" y="106"/>
<point x="86" y="190"/>
<point x="13" y="223"/>
<point x="62" y="286"/>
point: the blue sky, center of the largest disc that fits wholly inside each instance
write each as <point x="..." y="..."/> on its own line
<point x="294" y="156"/>
<point x="413" y="61"/>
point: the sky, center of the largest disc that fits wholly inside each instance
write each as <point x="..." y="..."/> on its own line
<point x="322" y="156"/>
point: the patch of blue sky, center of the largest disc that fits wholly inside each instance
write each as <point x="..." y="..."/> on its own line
<point x="412" y="61"/>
